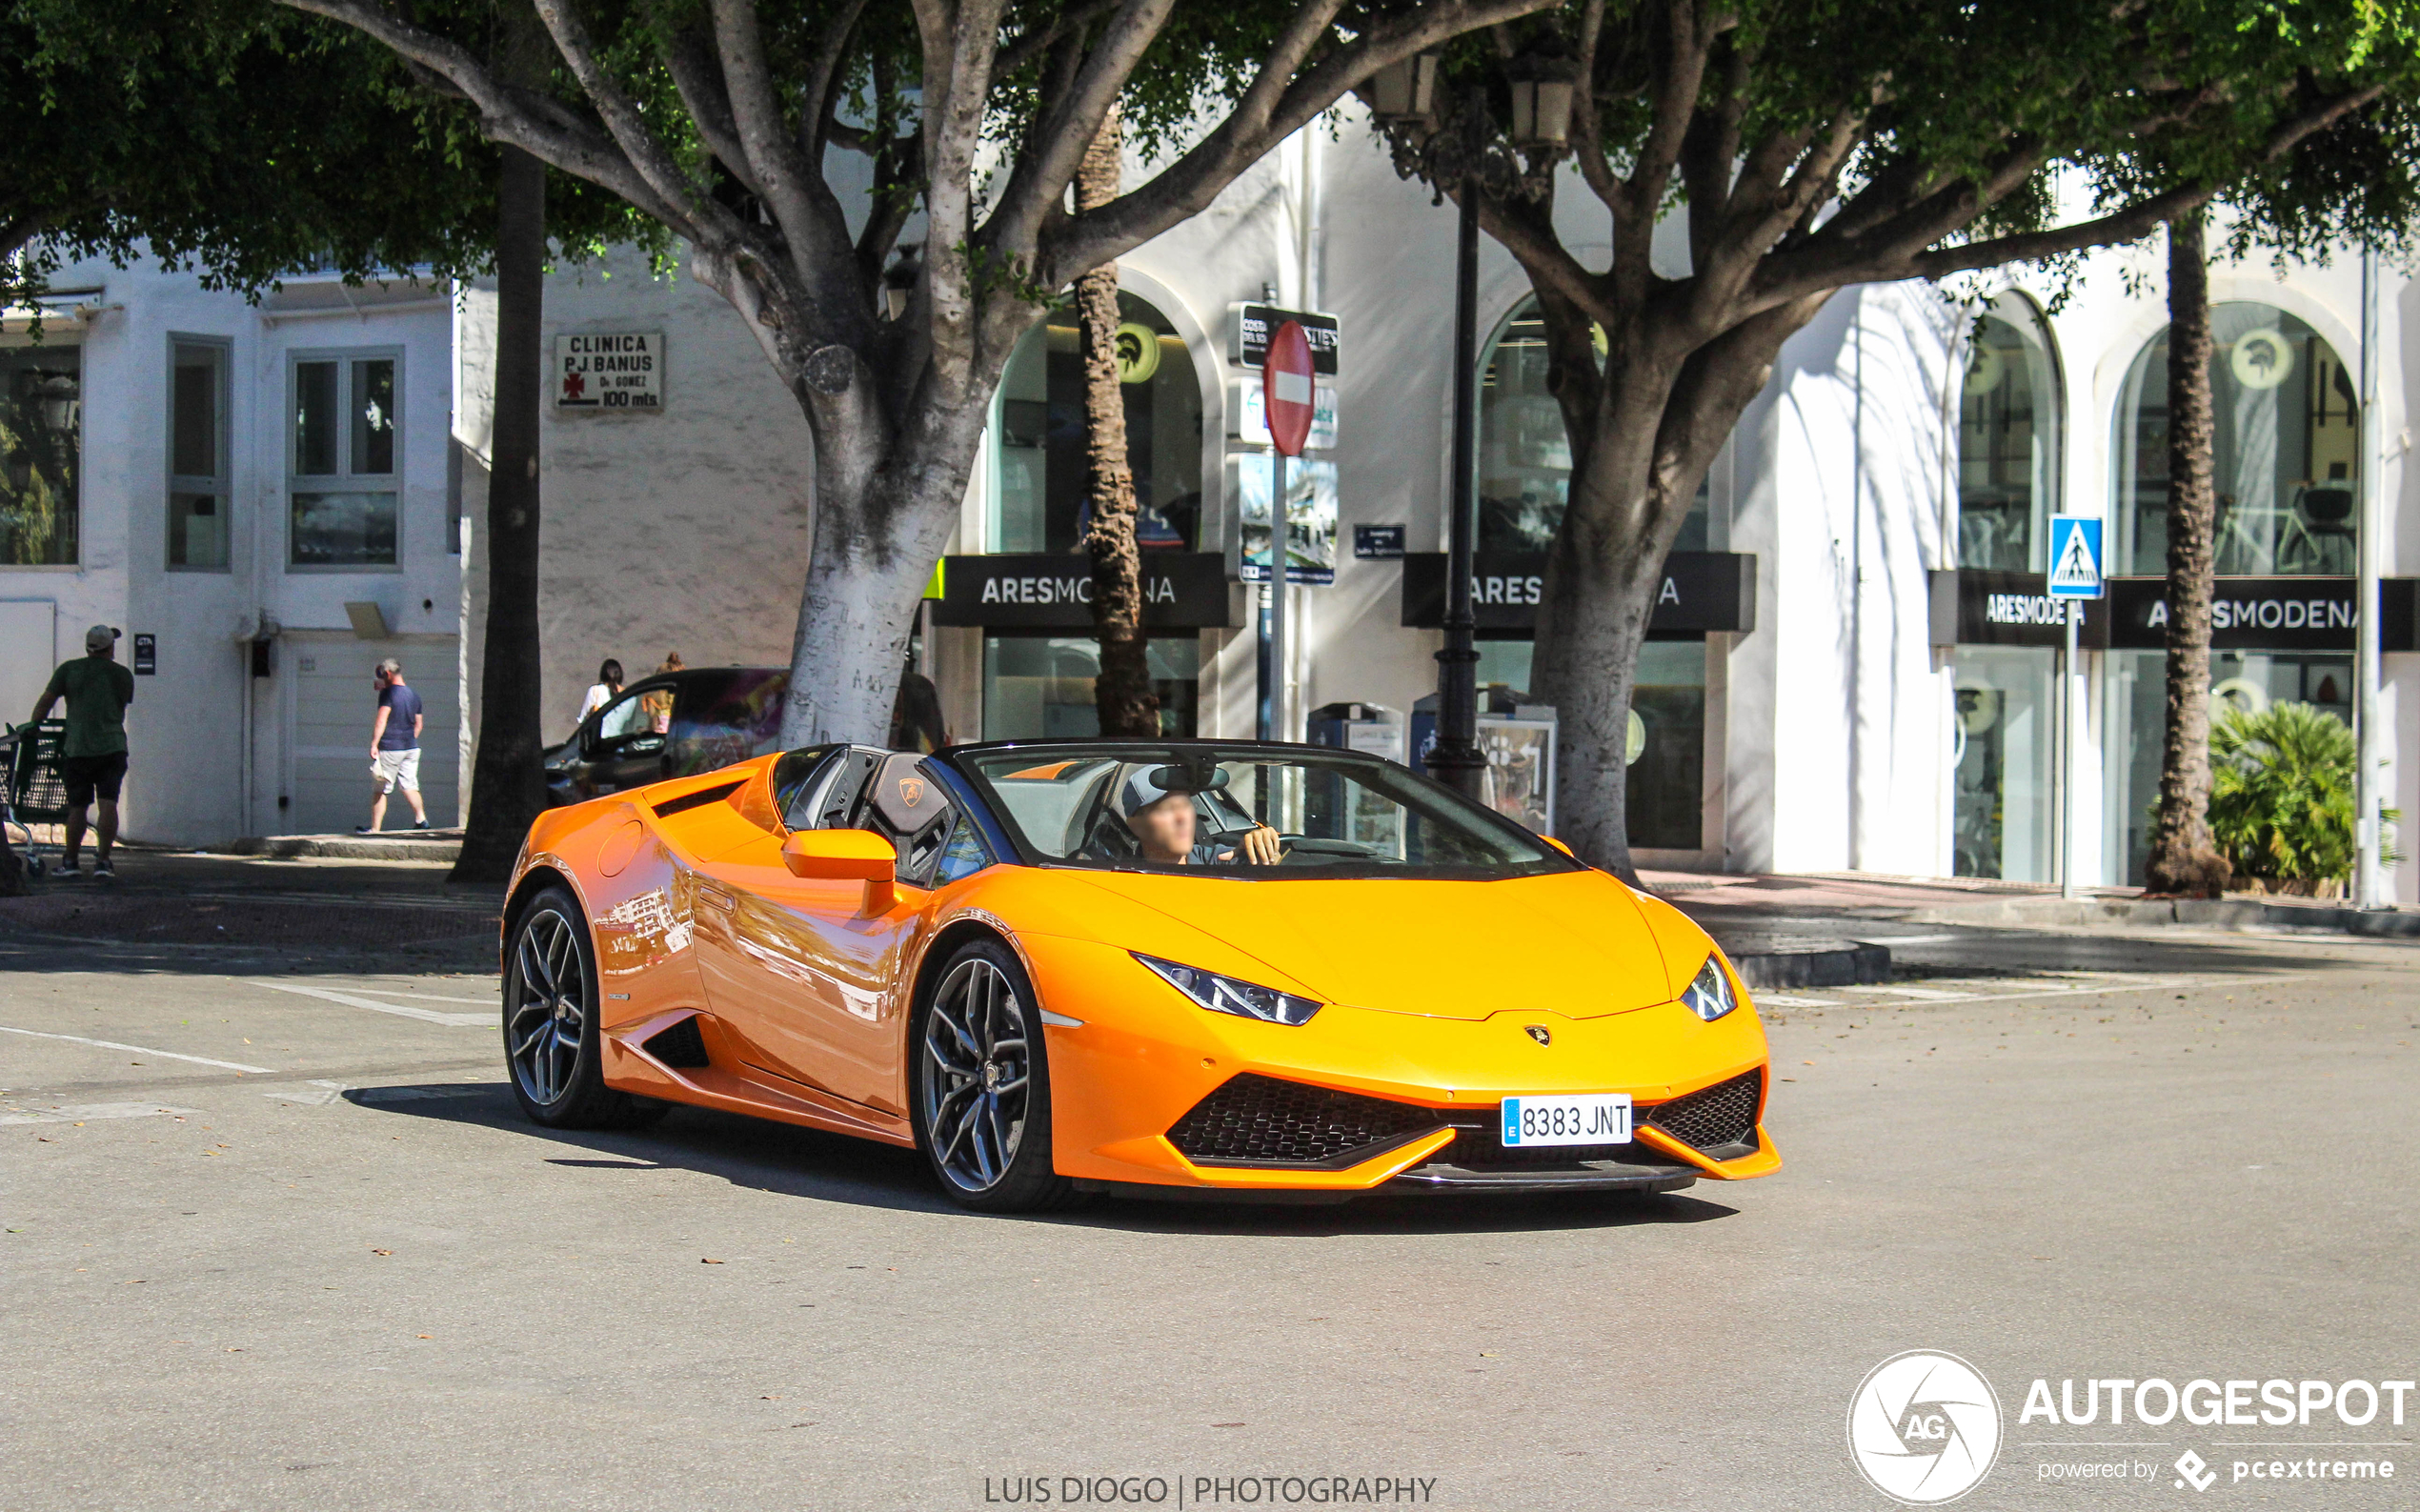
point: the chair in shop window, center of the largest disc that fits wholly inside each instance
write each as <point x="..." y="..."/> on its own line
<point x="2320" y="535"/>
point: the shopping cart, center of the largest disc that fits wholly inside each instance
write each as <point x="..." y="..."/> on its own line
<point x="34" y="793"/>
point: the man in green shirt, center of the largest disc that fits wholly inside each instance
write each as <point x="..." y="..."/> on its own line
<point x="94" y="754"/>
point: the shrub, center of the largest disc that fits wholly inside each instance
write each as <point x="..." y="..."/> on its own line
<point x="2282" y="794"/>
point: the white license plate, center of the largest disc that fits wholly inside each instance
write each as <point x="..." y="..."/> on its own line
<point x="1593" y="1117"/>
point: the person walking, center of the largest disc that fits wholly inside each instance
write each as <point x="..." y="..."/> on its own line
<point x="394" y="747"/>
<point x="92" y="757"/>
<point x="658" y="704"/>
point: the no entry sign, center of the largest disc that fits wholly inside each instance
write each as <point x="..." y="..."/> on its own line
<point x="1285" y="381"/>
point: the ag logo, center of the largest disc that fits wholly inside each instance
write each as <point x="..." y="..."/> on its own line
<point x="1923" y="1428"/>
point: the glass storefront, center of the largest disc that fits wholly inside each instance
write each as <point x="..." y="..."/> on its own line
<point x="1040" y="686"/>
<point x="2138" y="721"/>
<point x="2007" y="439"/>
<point x="2285" y="460"/>
<point x="1666" y="792"/>
<point x="2003" y="816"/>
<point x="1524" y="457"/>
<point x="1038" y="499"/>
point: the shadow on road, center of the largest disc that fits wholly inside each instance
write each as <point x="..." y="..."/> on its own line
<point x="792" y="1161"/>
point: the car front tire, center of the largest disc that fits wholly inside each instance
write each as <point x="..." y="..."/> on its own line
<point x="983" y="1085"/>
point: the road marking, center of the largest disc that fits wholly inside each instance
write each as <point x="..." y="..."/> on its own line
<point x="1905" y="940"/>
<point x="351" y="1000"/>
<point x="1928" y="993"/>
<point x="88" y="1112"/>
<point x="140" y="1050"/>
<point x="323" y="1094"/>
<point x="422" y="997"/>
<point x="311" y="1095"/>
<point x="1780" y="1002"/>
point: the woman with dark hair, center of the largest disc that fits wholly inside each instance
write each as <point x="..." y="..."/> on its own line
<point x="609" y="683"/>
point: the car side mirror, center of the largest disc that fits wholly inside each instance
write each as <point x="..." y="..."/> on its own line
<point x="846" y="855"/>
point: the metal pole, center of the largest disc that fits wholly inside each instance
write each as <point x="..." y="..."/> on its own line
<point x="2368" y="890"/>
<point x="2070" y="723"/>
<point x="1457" y="759"/>
<point x="1280" y="529"/>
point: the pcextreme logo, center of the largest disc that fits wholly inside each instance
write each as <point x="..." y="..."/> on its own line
<point x="1923" y="1428"/>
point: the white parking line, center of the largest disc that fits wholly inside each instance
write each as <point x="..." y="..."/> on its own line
<point x="399" y="1010"/>
<point x="140" y="1050"/>
<point x="1778" y="1000"/>
<point x="88" y="1112"/>
<point x="422" y="997"/>
<point x="1928" y="993"/>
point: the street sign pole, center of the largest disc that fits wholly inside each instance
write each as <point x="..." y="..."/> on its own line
<point x="2075" y="577"/>
<point x="2367" y="891"/>
<point x="1288" y="397"/>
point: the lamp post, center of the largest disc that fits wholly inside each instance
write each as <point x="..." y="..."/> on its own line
<point x="1457" y="760"/>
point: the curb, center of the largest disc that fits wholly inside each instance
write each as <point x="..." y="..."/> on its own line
<point x="2222" y="914"/>
<point x="1764" y="956"/>
<point x="437" y="846"/>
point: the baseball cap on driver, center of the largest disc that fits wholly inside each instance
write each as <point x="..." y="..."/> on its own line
<point x="100" y="638"/>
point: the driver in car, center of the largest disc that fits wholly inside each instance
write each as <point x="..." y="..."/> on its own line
<point x="1163" y="821"/>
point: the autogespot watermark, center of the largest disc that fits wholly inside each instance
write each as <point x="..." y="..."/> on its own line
<point x="1925" y="1428"/>
<point x="1209" y="1490"/>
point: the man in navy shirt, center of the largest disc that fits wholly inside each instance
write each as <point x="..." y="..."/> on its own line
<point x="394" y="747"/>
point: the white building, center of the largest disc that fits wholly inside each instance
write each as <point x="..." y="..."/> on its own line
<point x="1859" y="674"/>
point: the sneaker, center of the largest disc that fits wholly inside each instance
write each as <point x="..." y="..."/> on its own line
<point x="104" y="872"/>
<point x="363" y="829"/>
<point x="68" y="867"/>
<point x="421" y="824"/>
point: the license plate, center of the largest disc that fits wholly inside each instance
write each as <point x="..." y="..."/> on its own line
<point x="1593" y="1117"/>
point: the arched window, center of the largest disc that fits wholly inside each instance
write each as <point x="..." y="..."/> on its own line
<point x="1524" y="457"/>
<point x="2285" y="458"/>
<point x="2007" y="439"/>
<point x="1038" y="499"/>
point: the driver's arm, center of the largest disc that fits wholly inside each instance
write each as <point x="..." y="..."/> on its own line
<point x="1261" y="847"/>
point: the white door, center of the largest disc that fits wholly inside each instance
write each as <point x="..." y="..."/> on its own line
<point x="333" y="704"/>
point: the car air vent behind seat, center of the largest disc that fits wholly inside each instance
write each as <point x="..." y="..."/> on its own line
<point x="680" y="1046"/>
<point x="698" y="799"/>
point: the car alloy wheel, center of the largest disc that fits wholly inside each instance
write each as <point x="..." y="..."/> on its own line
<point x="547" y="1017"/>
<point x="977" y="1075"/>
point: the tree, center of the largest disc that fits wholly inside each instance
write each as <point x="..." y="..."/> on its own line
<point x="715" y="117"/>
<point x="247" y="142"/>
<point x="2353" y="182"/>
<point x="1122" y="695"/>
<point x="1812" y="147"/>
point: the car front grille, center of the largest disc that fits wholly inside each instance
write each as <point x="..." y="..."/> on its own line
<point x="1484" y="1150"/>
<point x="1252" y="1119"/>
<point x="1715" y="1120"/>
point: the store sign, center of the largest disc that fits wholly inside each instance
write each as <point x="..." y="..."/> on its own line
<point x="1180" y="591"/>
<point x="609" y="371"/>
<point x="1701" y="592"/>
<point x="2269" y="613"/>
<point x="147" y="656"/>
<point x="1978" y="608"/>
<point x="1249" y="328"/>
<point x="1378" y="542"/>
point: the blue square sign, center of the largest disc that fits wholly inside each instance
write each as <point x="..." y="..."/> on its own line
<point x="2075" y="556"/>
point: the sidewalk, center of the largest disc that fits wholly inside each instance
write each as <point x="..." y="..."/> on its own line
<point x="2022" y="905"/>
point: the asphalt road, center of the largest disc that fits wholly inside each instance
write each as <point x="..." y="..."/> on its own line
<point x="353" y="1276"/>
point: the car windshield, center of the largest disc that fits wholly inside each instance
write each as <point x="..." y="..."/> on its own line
<point x="1243" y="810"/>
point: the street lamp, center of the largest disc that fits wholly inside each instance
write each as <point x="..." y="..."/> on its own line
<point x="1402" y="91"/>
<point x="1542" y="93"/>
<point x="1456" y="760"/>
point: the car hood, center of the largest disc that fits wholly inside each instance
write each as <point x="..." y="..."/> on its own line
<point x="1574" y="943"/>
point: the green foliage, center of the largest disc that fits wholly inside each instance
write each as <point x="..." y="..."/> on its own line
<point x="2281" y="801"/>
<point x="244" y="142"/>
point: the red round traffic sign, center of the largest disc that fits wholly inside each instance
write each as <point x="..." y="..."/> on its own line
<point x="1286" y="388"/>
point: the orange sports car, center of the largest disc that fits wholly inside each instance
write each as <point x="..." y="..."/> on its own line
<point x="1166" y="968"/>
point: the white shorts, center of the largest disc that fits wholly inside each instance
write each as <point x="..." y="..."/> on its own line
<point x="396" y="769"/>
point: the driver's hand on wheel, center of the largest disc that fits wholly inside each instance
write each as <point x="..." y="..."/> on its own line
<point x="1261" y="847"/>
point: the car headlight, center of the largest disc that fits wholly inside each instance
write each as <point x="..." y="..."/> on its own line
<point x="1225" y="994"/>
<point x="1710" y="996"/>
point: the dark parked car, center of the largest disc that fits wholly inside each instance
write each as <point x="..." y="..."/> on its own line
<point x="717" y="716"/>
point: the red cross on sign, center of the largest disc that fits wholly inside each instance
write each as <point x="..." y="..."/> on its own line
<point x="1286" y="388"/>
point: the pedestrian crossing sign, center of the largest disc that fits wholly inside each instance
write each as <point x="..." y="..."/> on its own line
<point x="2075" y="556"/>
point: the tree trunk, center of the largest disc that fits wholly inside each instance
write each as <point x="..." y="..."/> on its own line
<point x="1122" y="693"/>
<point x="508" y="788"/>
<point x="2183" y="861"/>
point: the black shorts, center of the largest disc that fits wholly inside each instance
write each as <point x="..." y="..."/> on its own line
<point x="88" y="776"/>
